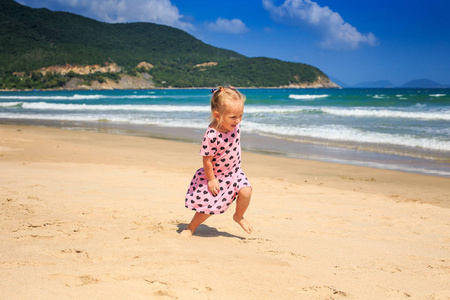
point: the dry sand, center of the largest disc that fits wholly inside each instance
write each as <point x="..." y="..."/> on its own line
<point x="97" y="216"/>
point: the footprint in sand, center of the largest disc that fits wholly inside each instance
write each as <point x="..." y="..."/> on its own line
<point x="76" y="255"/>
<point x="74" y="280"/>
<point x="287" y="253"/>
<point x="391" y="268"/>
<point x="324" y="292"/>
<point x="254" y="240"/>
<point x="161" y="288"/>
<point x="395" y="293"/>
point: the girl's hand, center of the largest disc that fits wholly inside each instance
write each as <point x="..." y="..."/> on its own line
<point x="213" y="186"/>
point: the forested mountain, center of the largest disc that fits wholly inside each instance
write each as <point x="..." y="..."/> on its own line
<point x="34" y="38"/>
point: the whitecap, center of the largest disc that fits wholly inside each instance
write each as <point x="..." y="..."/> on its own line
<point x="382" y="113"/>
<point x="307" y="97"/>
<point x="347" y="134"/>
<point x="125" y="107"/>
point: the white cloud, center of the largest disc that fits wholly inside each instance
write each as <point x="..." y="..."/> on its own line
<point x="119" y="11"/>
<point x="336" y="34"/>
<point x="234" y="26"/>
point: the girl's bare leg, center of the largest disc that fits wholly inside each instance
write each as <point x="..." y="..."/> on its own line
<point x="242" y="203"/>
<point x="198" y="219"/>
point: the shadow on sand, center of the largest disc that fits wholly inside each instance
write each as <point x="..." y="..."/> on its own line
<point x="206" y="231"/>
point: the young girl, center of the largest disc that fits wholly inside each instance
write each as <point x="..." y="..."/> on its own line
<point x="215" y="186"/>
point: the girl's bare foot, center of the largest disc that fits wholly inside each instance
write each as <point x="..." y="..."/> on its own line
<point x="198" y="219"/>
<point x="186" y="233"/>
<point x="244" y="224"/>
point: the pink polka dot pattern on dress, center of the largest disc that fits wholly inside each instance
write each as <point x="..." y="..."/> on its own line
<point x="226" y="150"/>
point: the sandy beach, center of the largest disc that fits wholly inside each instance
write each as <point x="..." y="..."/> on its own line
<point x="97" y="216"/>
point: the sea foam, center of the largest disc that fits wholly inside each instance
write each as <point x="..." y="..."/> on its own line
<point x="125" y="107"/>
<point x="347" y="134"/>
<point x="383" y="113"/>
<point x="307" y="97"/>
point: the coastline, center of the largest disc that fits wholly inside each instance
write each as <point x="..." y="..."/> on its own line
<point x="297" y="170"/>
<point x="107" y="88"/>
<point x="98" y="214"/>
<point x="313" y="150"/>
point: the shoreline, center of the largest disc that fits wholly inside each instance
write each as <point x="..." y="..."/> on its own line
<point x="173" y="88"/>
<point x="314" y="168"/>
<point x="99" y="215"/>
<point x="305" y="150"/>
<point x="213" y="87"/>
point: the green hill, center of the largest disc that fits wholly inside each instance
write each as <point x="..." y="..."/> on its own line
<point x="34" y="38"/>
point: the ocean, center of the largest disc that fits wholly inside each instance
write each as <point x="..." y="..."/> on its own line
<point x="398" y="129"/>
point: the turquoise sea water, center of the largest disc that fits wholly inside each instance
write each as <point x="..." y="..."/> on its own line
<point x="402" y="129"/>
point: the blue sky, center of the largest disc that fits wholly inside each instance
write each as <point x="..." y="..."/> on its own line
<point x="350" y="40"/>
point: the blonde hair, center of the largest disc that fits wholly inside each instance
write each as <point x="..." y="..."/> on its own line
<point x="222" y="99"/>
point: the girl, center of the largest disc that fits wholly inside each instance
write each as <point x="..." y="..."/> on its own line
<point x="215" y="186"/>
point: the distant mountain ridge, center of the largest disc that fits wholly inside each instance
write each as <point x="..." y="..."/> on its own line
<point x="422" y="83"/>
<point x="374" y="84"/>
<point x="418" y="83"/>
<point x="31" y="39"/>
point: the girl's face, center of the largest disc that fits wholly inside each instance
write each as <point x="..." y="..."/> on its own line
<point x="231" y="117"/>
